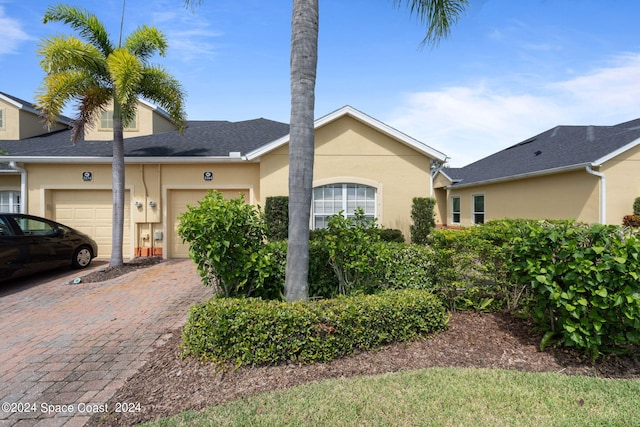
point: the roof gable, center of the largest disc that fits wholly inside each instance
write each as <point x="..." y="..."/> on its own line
<point x="369" y="121"/>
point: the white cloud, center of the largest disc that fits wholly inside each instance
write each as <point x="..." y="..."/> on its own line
<point x="470" y="122"/>
<point x="12" y="34"/>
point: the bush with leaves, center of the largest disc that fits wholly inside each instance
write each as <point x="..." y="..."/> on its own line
<point x="276" y="215"/>
<point x="423" y="216"/>
<point x="636" y="206"/>
<point x="251" y="331"/>
<point x="585" y="283"/>
<point x="349" y="241"/>
<point x="225" y="238"/>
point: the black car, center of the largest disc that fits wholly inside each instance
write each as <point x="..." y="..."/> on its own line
<point x="29" y="244"/>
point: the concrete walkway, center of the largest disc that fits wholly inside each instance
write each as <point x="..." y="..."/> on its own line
<point x="66" y="349"/>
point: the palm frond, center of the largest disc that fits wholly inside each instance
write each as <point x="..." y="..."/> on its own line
<point x="126" y="72"/>
<point x="165" y="91"/>
<point x="70" y="53"/>
<point x="91" y="103"/>
<point x="438" y="16"/>
<point x="83" y="21"/>
<point x="58" y="90"/>
<point x="145" y="41"/>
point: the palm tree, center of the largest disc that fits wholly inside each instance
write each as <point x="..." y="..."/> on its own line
<point x="438" y="16"/>
<point x="95" y="73"/>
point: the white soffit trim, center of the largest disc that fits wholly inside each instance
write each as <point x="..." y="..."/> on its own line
<point x="615" y="153"/>
<point x="360" y="116"/>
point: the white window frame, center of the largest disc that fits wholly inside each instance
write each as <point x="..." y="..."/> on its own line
<point x="343" y="202"/>
<point x="473" y="208"/>
<point x="3" y="118"/>
<point x="10" y="201"/>
<point x="106" y="122"/>
<point x="456" y="212"/>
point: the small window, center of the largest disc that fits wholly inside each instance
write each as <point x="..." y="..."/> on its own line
<point x="478" y="209"/>
<point x="455" y="210"/>
<point x="10" y="201"/>
<point x="106" y="122"/>
<point x="1" y="119"/>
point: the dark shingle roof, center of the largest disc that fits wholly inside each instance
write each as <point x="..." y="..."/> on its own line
<point x="562" y="147"/>
<point x="200" y="139"/>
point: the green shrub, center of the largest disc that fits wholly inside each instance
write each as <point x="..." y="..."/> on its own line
<point x="390" y="235"/>
<point x="469" y="270"/>
<point x="636" y="206"/>
<point x="323" y="282"/>
<point x="404" y="266"/>
<point x="250" y="331"/>
<point x="276" y="215"/>
<point x="225" y="237"/>
<point x="349" y="241"/>
<point x="423" y="216"/>
<point x="584" y="281"/>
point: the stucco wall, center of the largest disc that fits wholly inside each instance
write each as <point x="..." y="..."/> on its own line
<point x="144" y="126"/>
<point x="623" y="184"/>
<point x="571" y="195"/>
<point x="350" y="151"/>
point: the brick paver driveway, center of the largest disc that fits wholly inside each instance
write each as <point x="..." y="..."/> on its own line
<point x="65" y="349"/>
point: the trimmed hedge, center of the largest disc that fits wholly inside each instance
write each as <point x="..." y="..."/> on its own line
<point x="255" y="332"/>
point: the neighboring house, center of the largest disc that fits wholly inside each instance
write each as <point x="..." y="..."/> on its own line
<point x="586" y="173"/>
<point x="359" y="161"/>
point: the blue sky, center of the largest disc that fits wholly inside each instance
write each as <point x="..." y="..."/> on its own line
<point x="510" y="70"/>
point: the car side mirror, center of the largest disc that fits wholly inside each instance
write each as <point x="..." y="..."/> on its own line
<point x="59" y="232"/>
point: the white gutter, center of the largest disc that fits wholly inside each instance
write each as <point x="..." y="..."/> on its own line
<point x="128" y="160"/>
<point x="603" y="193"/>
<point x="23" y="185"/>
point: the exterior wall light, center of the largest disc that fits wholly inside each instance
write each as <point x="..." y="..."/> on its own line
<point x="152" y="204"/>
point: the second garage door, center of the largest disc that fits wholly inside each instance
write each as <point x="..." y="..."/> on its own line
<point x="91" y="213"/>
<point x="178" y="202"/>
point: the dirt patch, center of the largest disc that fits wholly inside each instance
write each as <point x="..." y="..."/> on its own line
<point x="109" y="272"/>
<point x="168" y="384"/>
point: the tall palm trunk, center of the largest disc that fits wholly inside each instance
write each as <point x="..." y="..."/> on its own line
<point x="304" y="59"/>
<point x="117" y="177"/>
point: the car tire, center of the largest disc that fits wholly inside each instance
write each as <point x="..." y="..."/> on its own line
<point x="81" y="257"/>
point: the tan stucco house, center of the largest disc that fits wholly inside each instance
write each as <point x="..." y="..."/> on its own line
<point x="359" y="161"/>
<point x="587" y="173"/>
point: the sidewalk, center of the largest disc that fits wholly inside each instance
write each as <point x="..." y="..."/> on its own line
<point x="66" y="349"/>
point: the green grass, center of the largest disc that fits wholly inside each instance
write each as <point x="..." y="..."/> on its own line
<point x="434" y="397"/>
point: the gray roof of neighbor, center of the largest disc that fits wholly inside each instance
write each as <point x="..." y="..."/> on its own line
<point x="562" y="147"/>
<point x="200" y="139"/>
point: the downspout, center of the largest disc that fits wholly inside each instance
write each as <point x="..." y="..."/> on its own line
<point x="23" y="185"/>
<point x="603" y="193"/>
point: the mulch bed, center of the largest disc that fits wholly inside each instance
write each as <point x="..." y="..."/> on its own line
<point x="169" y="384"/>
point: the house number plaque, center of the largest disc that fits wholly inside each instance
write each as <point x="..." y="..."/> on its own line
<point x="208" y="176"/>
<point x="87" y="176"/>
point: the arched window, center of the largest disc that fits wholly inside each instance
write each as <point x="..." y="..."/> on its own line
<point x="329" y="200"/>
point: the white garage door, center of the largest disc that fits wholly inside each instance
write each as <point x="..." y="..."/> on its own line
<point x="178" y="202"/>
<point x="90" y="212"/>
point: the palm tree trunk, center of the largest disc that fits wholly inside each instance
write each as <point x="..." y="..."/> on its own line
<point x="304" y="59"/>
<point x="117" y="171"/>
